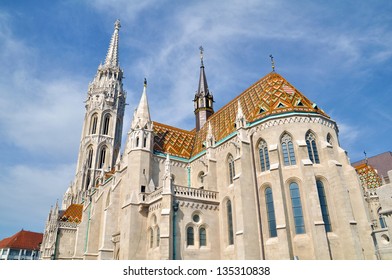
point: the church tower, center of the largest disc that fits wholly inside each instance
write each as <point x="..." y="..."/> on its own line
<point x="203" y="98"/>
<point x="103" y="122"/>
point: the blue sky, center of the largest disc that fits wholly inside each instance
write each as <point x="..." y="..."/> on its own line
<point x="337" y="53"/>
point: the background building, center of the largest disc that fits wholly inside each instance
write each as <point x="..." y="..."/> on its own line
<point x="24" y="245"/>
<point x="263" y="177"/>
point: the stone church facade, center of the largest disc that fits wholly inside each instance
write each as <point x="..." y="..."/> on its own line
<point x="264" y="177"/>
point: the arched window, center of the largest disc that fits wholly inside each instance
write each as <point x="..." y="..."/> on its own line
<point x="106" y="123"/>
<point x="137" y="142"/>
<point x="90" y="157"/>
<point x="312" y="148"/>
<point x="93" y="124"/>
<point x="102" y="157"/>
<point x="230" y="232"/>
<point x="329" y="139"/>
<point x="230" y="162"/>
<point x="288" y="150"/>
<point x="323" y="205"/>
<point x="264" y="158"/>
<point x="190" y="239"/>
<point x="145" y="141"/>
<point x="202" y="237"/>
<point x="297" y="208"/>
<point x="158" y="236"/>
<point x="269" y="201"/>
<point x="381" y="219"/>
<point x="151" y="238"/>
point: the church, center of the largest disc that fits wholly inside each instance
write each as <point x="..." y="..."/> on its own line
<point x="263" y="177"/>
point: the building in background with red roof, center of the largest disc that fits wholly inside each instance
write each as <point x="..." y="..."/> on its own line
<point x="23" y="245"/>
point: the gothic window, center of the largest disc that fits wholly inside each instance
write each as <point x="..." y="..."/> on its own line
<point x="93" y="124"/>
<point x="145" y="141"/>
<point x="90" y="157"/>
<point x="323" y="205"/>
<point x="381" y="219"/>
<point x="158" y="236"/>
<point x="106" y="123"/>
<point x="137" y="141"/>
<point x="203" y="237"/>
<point x="230" y="232"/>
<point x="230" y="161"/>
<point x="264" y="158"/>
<point x="288" y="150"/>
<point x="102" y="157"/>
<point x="190" y="239"/>
<point x="312" y="148"/>
<point x="297" y="208"/>
<point x="269" y="201"/>
<point x="151" y="237"/>
<point x="329" y="139"/>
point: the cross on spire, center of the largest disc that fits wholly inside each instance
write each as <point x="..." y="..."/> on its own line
<point x="201" y="54"/>
<point x="272" y="63"/>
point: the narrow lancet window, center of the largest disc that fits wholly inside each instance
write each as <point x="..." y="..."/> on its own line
<point x="264" y="157"/>
<point x="230" y="162"/>
<point x="203" y="237"/>
<point x="190" y="236"/>
<point x="230" y="230"/>
<point x="323" y="205"/>
<point x="269" y="200"/>
<point x="288" y="150"/>
<point x="312" y="148"/>
<point x="297" y="208"/>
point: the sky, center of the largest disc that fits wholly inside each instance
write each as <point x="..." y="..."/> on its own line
<point x="337" y="53"/>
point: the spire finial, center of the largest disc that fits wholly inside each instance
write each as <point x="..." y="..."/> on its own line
<point x="112" y="55"/>
<point x="201" y="54"/>
<point x="117" y="24"/>
<point x="366" y="158"/>
<point x="272" y="63"/>
<point x="145" y="82"/>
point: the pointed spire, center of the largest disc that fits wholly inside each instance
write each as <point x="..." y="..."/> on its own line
<point x="142" y="114"/>
<point x="240" y="119"/>
<point x="203" y="86"/>
<point x="112" y="55"/>
<point x="210" y="139"/>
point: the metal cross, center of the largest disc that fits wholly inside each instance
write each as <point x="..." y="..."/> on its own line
<point x="272" y="63"/>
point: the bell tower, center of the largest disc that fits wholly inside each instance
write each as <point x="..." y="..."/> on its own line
<point x="203" y="98"/>
<point x="103" y="122"/>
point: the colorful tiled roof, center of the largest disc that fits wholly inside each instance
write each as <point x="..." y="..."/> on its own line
<point x="382" y="163"/>
<point x="368" y="176"/>
<point x="23" y="240"/>
<point x="172" y="140"/>
<point x="271" y="95"/>
<point x="73" y="213"/>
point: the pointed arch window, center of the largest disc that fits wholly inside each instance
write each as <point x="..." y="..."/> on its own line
<point x="230" y="232"/>
<point x="93" y="124"/>
<point x="203" y="237"/>
<point x="297" y="208"/>
<point x="230" y="162"/>
<point x="323" y="205"/>
<point x="269" y="201"/>
<point x="158" y="236"/>
<point x="106" y="123"/>
<point x="288" y="150"/>
<point x="190" y="236"/>
<point x="264" y="157"/>
<point x="102" y="156"/>
<point x="90" y="157"/>
<point x="312" y="147"/>
<point x="329" y="139"/>
<point x="151" y="237"/>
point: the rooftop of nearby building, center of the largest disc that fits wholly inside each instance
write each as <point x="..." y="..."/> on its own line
<point x="382" y="163"/>
<point x="271" y="95"/>
<point x="23" y="240"/>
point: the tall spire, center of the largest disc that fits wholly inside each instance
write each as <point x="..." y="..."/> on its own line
<point x="203" y="98"/>
<point x="142" y="114"/>
<point x="203" y="86"/>
<point x="112" y="55"/>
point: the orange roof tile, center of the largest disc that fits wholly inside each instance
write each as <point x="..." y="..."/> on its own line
<point x="23" y="240"/>
<point x="172" y="140"/>
<point x="368" y="176"/>
<point x="73" y="213"/>
<point x="270" y="95"/>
